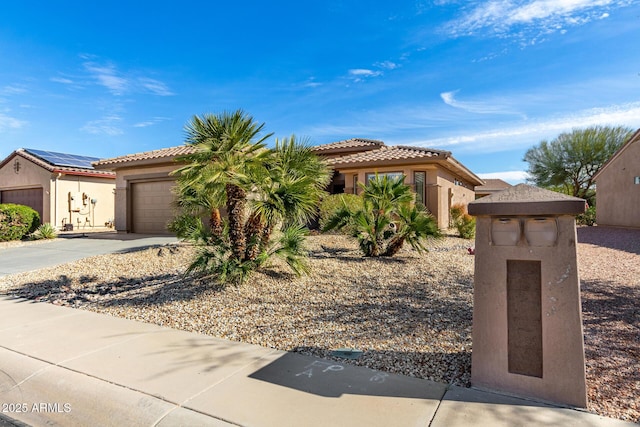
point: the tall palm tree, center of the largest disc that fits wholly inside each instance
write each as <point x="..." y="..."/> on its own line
<point x="229" y="152"/>
<point x="288" y="193"/>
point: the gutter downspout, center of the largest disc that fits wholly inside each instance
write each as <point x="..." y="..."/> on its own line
<point x="55" y="200"/>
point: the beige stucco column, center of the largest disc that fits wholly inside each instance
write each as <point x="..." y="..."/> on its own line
<point x="527" y="319"/>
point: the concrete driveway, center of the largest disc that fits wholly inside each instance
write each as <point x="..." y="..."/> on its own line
<point x="72" y="247"/>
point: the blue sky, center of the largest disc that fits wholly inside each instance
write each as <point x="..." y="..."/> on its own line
<point x="483" y="79"/>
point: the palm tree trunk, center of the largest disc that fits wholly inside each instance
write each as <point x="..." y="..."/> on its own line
<point x="215" y="222"/>
<point x="394" y="246"/>
<point x="236" y="200"/>
<point x="252" y="231"/>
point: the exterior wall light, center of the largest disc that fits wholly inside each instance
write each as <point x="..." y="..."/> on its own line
<point x="505" y="231"/>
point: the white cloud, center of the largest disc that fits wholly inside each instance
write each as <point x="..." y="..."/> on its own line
<point x="362" y="72"/>
<point x="528" y="133"/>
<point x="13" y="90"/>
<point x="529" y="19"/>
<point x="512" y="177"/>
<point x="119" y="83"/>
<point x="387" y="65"/>
<point x="61" y="80"/>
<point x="150" y="122"/>
<point x="107" y="76"/>
<point x="107" y="125"/>
<point x="7" y="122"/>
<point x="474" y="106"/>
<point x="156" y="87"/>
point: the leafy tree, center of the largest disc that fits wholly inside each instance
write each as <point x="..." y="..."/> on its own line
<point x="386" y="220"/>
<point x="268" y="194"/>
<point x="569" y="162"/>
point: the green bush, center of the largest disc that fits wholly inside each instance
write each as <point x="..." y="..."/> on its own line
<point x="330" y="205"/>
<point x="45" y="231"/>
<point x="17" y="221"/>
<point x="455" y="212"/>
<point x="587" y="218"/>
<point x="466" y="226"/>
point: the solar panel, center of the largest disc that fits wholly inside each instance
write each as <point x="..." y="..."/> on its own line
<point x="62" y="159"/>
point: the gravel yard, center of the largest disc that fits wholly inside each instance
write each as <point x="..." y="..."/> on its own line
<point x="410" y="314"/>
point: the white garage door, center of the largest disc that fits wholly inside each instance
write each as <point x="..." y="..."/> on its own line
<point x="151" y="208"/>
<point x="31" y="197"/>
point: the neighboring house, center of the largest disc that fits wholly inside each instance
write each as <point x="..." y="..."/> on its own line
<point x="438" y="179"/>
<point x="143" y="189"/>
<point x="64" y="189"/>
<point x="490" y="187"/>
<point x="618" y="187"/>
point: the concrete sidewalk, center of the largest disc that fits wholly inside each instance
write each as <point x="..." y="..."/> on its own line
<point x="72" y="247"/>
<point x="62" y="366"/>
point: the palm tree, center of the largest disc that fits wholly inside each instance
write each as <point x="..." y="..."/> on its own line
<point x="269" y="194"/>
<point x="228" y="153"/>
<point x="291" y="189"/>
<point x="386" y="220"/>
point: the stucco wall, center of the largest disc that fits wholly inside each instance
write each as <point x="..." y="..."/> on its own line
<point x="440" y="183"/>
<point x="30" y="175"/>
<point x="617" y="196"/>
<point x="91" y="214"/>
<point x="124" y="178"/>
<point x="453" y="194"/>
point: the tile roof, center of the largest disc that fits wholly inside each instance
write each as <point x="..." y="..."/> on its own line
<point x="386" y="153"/>
<point x="491" y="185"/>
<point x="164" y="153"/>
<point x="51" y="167"/>
<point x="349" y="143"/>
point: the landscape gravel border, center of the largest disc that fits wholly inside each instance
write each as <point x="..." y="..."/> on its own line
<point x="409" y="314"/>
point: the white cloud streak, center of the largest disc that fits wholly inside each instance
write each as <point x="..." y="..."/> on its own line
<point x="528" y="133"/>
<point x="108" y="125"/>
<point x="119" y="83"/>
<point x="512" y="177"/>
<point x="529" y="19"/>
<point x="475" y="106"/>
<point x="8" y="122"/>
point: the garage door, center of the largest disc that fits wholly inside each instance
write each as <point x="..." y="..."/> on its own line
<point x="29" y="197"/>
<point x="151" y="208"/>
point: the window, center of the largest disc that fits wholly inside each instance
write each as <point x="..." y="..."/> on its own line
<point x="389" y="175"/>
<point x="419" y="179"/>
<point x="636" y="180"/>
<point x="355" y="184"/>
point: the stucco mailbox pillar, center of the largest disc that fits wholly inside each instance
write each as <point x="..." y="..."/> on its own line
<point x="527" y="319"/>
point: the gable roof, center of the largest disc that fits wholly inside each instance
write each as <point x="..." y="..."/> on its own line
<point x="491" y="185"/>
<point x="55" y="162"/>
<point x="389" y="154"/>
<point x="634" y="139"/>
<point x="163" y="154"/>
<point x="346" y="146"/>
<point x="400" y="155"/>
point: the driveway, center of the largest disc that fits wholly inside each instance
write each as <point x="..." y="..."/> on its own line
<point x="68" y="248"/>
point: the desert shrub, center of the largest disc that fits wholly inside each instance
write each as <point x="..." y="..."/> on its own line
<point x="466" y="226"/>
<point x="455" y="212"/>
<point x="332" y="203"/>
<point x="587" y="218"/>
<point x="45" y="231"/>
<point x="17" y="221"/>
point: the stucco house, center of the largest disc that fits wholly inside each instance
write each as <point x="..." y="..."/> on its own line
<point x="143" y="180"/>
<point x="143" y="189"/>
<point x="491" y="186"/>
<point x="437" y="178"/>
<point x="618" y="187"/>
<point x="64" y="189"/>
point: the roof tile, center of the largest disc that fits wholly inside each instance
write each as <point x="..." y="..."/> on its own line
<point x="349" y="143"/>
<point x="148" y="155"/>
<point x="396" y="152"/>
